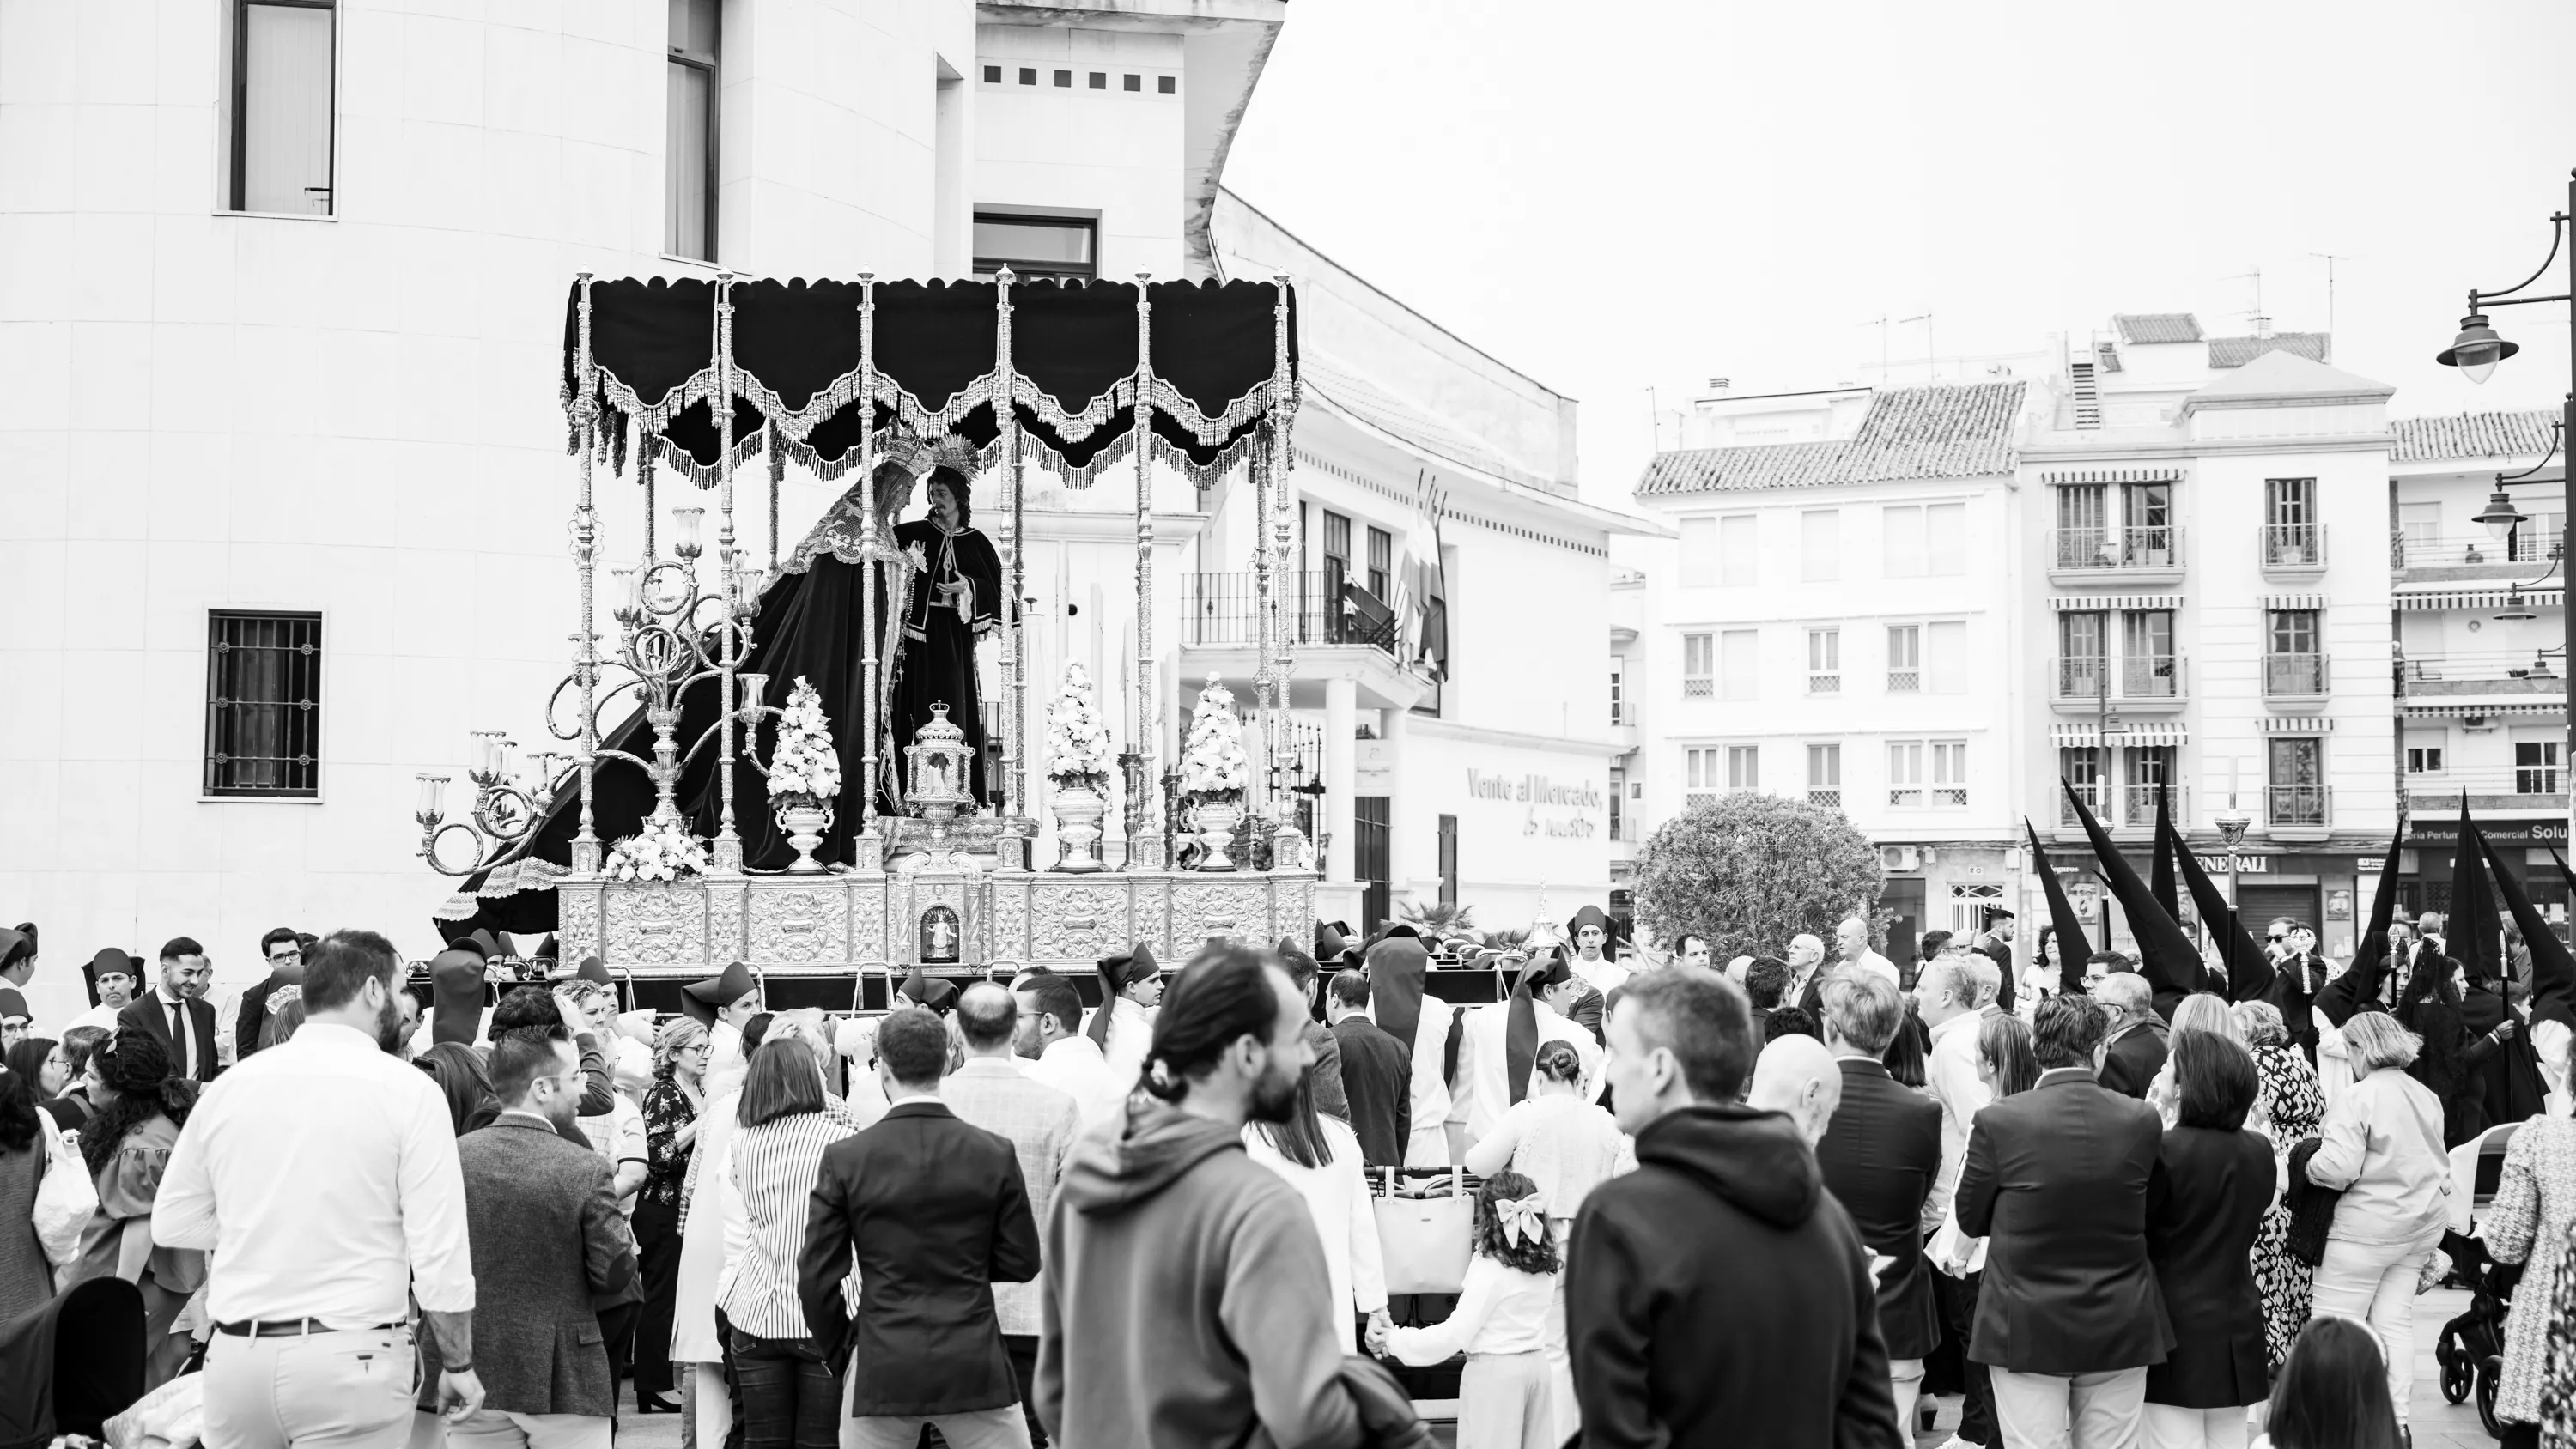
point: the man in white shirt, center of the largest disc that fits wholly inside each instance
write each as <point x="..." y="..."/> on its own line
<point x="1956" y="995"/>
<point x="322" y="1175"/>
<point x="1053" y="1050"/>
<point x="1851" y="944"/>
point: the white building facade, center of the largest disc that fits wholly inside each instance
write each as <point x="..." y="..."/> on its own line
<point x="1831" y="621"/>
<point x="282" y="457"/>
<point x="2481" y="639"/>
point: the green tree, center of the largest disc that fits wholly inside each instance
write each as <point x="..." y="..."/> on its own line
<point x="1751" y="871"/>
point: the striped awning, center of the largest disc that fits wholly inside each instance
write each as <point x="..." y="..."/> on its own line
<point x="2294" y="724"/>
<point x="2167" y="474"/>
<point x="2550" y="598"/>
<point x="2464" y="710"/>
<point x="2086" y="737"/>
<point x="2088" y="603"/>
<point x="2294" y="601"/>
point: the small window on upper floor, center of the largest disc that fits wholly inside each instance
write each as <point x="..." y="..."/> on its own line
<point x="1167" y="85"/>
<point x="281" y="106"/>
<point x="263" y="704"/>
<point x="992" y="75"/>
<point x="689" y="121"/>
<point x="1036" y="246"/>
<point x="1135" y="82"/>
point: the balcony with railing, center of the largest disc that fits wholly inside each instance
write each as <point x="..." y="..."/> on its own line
<point x="2150" y="683"/>
<point x="2135" y="807"/>
<point x="2288" y="678"/>
<point x="2146" y="554"/>
<point x="2298" y="807"/>
<point x="2537" y="790"/>
<point x="2455" y="680"/>
<point x="2421" y="557"/>
<point x="2291" y="548"/>
<point x="1223" y="610"/>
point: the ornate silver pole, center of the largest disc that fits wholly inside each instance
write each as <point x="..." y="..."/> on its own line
<point x="1015" y="801"/>
<point x="1288" y="845"/>
<point x="1151" y="842"/>
<point x="728" y="845"/>
<point x="585" y="540"/>
<point x="1264" y="681"/>
<point x="870" y="721"/>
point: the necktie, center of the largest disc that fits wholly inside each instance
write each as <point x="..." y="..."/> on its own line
<point x="187" y="1050"/>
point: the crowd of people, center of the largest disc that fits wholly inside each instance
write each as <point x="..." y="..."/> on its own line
<point x="1779" y="1202"/>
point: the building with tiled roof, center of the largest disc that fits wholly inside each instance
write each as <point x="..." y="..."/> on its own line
<point x="1826" y="623"/>
<point x="1949" y="431"/>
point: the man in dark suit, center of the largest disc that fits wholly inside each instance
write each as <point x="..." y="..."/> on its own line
<point x="2134" y="1050"/>
<point x="547" y="1236"/>
<point x="1377" y="1073"/>
<point x="1880" y="1155"/>
<point x="937" y="1212"/>
<point x="285" y="952"/>
<point x="2056" y="1179"/>
<point x="1331" y="1098"/>
<point x="176" y="1012"/>
<point x="1996" y="945"/>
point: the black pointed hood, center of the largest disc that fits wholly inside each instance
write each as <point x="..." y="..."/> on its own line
<point x="2073" y="950"/>
<point x="2165" y="954"/>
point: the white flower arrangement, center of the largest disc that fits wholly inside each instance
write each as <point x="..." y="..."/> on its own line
<point x="1078" y="753"/>
<point x="1213" y="765"/>
<point x="805" y="769"/>
<point x="663" y="851"/>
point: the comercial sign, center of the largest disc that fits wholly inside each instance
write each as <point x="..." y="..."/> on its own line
<point x="1547" y="808"/>
<point x="2245" y="864"/>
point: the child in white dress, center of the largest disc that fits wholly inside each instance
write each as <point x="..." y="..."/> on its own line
<point x="1500" y="1323"/>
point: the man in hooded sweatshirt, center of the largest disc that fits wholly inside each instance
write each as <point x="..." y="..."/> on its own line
<point x="1723" y="1247"/>
<point x="1185" y="1301"/>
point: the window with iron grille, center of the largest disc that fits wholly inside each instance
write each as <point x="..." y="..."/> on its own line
<point x="1825" y="775"/>
<point x="263" y="704"/>
<point x="1824" y="661"/>
<point x="1699" y="667"/>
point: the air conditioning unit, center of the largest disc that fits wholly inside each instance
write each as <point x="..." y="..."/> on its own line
<point x="1900" y="857"/>
<point x="2477" y="724"/>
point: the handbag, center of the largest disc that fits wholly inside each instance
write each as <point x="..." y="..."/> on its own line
<point x="1425" y="1234"/>
<point x="66" y="1199"/>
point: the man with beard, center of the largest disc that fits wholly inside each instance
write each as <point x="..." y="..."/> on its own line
<point x="177" y="1013"/>
<point x="322" y="1174"/>
<point x="1185" y="1300"/>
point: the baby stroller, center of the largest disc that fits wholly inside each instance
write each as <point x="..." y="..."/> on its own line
<point x="2471" y="1350"/>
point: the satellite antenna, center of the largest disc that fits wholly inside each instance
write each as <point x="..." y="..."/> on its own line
<point x="2330" y="259"/>
<point x="2262" y="320"/>
<point x="1931" y="362"/>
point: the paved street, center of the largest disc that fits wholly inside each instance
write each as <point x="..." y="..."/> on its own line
<point x="2437" y="1425"/>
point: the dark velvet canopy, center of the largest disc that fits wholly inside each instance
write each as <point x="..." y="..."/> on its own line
<point x="801" y="350"/>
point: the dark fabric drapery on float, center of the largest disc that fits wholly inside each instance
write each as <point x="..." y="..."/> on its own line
<point x="797" y="368"/>
<point x="931" y="361"/>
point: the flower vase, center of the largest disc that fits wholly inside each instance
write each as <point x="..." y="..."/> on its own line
<point x="805" y="825"/>
<point x="1077" y="828"/>
<point x="1216" y="823"/>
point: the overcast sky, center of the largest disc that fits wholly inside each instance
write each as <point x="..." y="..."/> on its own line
<point x="1647" y="193"/>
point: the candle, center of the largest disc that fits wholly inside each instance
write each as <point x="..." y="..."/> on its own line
<point x="433" y="799"/>
<point x="684" y="531"/>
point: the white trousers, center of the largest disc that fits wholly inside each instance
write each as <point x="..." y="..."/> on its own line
<point x="348" y="1390"/>
<point x="2373" y="1284"/>
<point x="1905" y="1376"/>
<point x="2071" y="1411"/>
<point x="501" y="1429"/>
<point x="2172" y="1428"/>
<point x="1002" y="1428"/>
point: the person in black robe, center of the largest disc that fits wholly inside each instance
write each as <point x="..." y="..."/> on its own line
<point x="956" y="599"/>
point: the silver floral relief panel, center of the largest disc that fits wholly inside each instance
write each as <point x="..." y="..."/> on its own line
<point x="725" y="939"/>
<point x="657" y="925"/>
<point x="868" y="942"/>
<point x="1007" y="918"/>
<point x="1235" y="910"/>
<point x="800" y="925"/>
<point x="577" y="924"/>
<point x="1153" y="922"/>
<point x="1077" y="923"/>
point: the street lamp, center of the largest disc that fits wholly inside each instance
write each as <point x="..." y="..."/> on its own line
<point x="2477" y="350"/>
<point x="2232" y="824"/>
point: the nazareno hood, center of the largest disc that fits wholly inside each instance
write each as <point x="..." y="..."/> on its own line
<point x="1754" y="1160"/>
<point x="1110" y="1172"/>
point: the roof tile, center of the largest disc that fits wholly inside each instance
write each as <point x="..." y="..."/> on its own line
<point x="1957" y="431"/>
<point x="2238" y="351"/>
<point x="2471" y="435"/>
<point x="2154" y="327"/>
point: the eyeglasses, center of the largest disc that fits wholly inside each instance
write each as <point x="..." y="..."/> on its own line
<point x="2275" y="940"/>
<point x="282" y="957"/>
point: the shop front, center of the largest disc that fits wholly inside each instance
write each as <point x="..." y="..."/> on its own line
<point x="1502" y="823"/>
<point x="2526" y="845"/>
<point x="2329" y="891"/>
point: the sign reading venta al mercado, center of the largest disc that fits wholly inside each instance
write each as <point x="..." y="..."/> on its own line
<point x="1545" y="804"/>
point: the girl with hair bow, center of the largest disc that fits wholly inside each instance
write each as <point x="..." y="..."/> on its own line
<point x="1506" y="1395"/>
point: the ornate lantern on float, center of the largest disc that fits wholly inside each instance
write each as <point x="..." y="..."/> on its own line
<point x="937" y="766"/>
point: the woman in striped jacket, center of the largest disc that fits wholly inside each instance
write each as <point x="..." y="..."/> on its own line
<point x="790" y="1395"/>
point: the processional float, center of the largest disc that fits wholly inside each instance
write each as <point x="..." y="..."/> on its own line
<point x="691" y="384"/>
